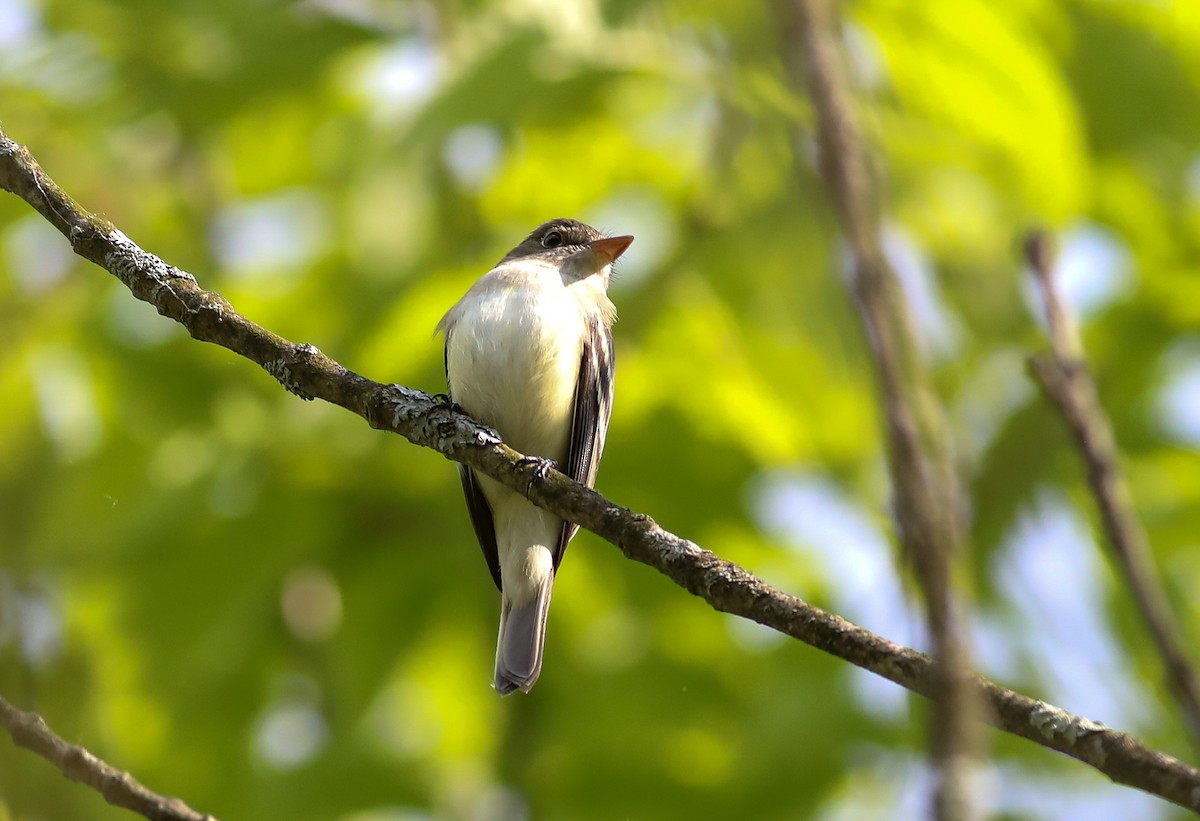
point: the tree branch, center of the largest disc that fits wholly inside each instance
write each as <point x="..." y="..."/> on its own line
<point x="927" y="498"/>
<point x="1069" y="384"/>
<point x="120" y="789"/>
<point x="727" y="587"/>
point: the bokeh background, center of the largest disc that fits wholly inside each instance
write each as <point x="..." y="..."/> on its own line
<point x="264" y="607"/>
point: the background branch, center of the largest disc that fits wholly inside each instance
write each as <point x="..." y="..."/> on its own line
<point x="926" y="493"/>
<point x="727" y="587"/>
<point x="1069" y="384"/>
<point x="118" y="788"/>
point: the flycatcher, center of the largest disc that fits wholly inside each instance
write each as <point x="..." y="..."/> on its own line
<point x="529" y="352"/>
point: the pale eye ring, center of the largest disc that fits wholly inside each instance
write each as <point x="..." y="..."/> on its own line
<point x="552" y="240"/>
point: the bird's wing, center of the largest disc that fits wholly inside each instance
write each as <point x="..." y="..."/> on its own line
<point x="589" y="423"/>
<point x="477" y="504"/>
<point x="481" y="518"/>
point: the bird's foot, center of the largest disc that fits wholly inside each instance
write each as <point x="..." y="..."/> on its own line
<point x="541" y="469"/>
<point x="444" y="399"/>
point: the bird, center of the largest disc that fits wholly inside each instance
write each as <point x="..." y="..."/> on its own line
<point x="529" y="352"/>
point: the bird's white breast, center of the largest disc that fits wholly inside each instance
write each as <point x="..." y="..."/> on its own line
<point x="513" y="356"/>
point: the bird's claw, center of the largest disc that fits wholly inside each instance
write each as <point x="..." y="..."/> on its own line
<point x="444" y="399"/>
<point x="541" y="469"/>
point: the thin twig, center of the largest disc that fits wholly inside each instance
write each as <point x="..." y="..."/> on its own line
<point x="119" y="788"/>
<point x="424" y="421"/>
<point x="1068" y="382"/>
<point x="927" y="496"/>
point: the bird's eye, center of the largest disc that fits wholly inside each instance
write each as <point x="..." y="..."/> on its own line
<point x="552" y="240"/>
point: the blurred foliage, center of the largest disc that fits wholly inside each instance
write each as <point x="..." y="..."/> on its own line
<point x="274" y="612"/>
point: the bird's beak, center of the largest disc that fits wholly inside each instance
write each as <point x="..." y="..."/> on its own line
<point x="609" y="248"/>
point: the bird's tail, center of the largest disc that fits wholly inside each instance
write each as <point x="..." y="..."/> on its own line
<point x="522" y="635"/>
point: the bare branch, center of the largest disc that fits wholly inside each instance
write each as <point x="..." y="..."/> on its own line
<point x="120" y="789"/>
<point x="727" y="587"/>
<point x="1068" y="382"/>
<point x="927" y="497"/>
